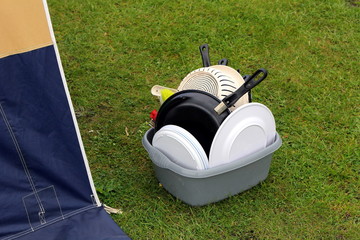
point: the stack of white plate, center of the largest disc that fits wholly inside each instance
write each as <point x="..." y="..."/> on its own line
<point x="248" y="129"/>
<point x="181" y="147"/>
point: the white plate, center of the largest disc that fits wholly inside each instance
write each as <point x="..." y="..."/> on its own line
<point x="181" y="147"/>
<point x="246" y="130"/>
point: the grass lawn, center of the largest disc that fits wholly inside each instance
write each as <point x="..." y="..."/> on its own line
<point x="113" y="52"/>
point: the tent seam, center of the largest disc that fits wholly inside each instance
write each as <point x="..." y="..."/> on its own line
<point x="58" y="219"/>
<point x="22" y="159"/>
<point x="24" y="50"/>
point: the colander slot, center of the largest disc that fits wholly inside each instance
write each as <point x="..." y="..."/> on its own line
<point x="226" y="80"/>
<point x="227" y="90"/>
<point x="228" y="85"/>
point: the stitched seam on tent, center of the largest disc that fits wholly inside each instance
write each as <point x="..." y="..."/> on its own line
<point x="58" y="219"/>
<point x="64" y="217"/>
<point x="43" y="189"/>
<point x="23" y="162"/>
<point x="27" y="214"/>
<point x="57" y="199"/>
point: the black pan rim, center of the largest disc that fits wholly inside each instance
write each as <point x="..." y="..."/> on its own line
<point x="169" y="100"/>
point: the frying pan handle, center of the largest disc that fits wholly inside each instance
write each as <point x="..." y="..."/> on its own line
<point x="204" y="51"/>
<point x="246" y="77"/>
<point x="223" y="61"/>
<point x="249" y="83"/>
<point x="254" y="79"/>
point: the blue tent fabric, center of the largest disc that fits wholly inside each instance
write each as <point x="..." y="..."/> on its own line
<point x="45" y="191"/>
<point x="94" y="224"/>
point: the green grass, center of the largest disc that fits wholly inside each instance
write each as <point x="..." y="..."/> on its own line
<point x="113" y="52"/>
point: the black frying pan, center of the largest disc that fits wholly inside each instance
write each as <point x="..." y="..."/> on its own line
<point x="201" y="113"/>
<point x="192" y="110"/>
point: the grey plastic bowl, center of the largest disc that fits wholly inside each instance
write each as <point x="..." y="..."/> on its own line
<point x="201" y="187"/>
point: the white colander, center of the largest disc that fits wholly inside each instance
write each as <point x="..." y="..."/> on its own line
<point x="218" y="80"/>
